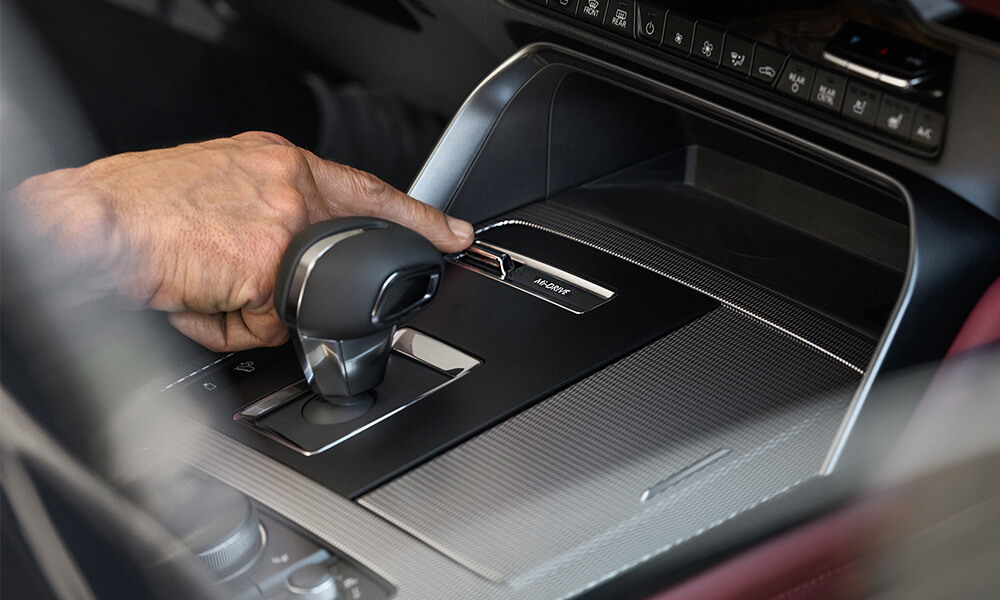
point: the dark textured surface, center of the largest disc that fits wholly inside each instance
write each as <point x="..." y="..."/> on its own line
<point x="845" y="344"/>
<point x="557" y="488"/>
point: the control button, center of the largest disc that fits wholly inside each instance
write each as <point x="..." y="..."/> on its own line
<point x="650" y="22"/>
<point x="568" y="6"/>
<point x="828" y="90"/>
<point x="593" y="10"/>
<point x="928" y="126"/>
<point x="861" y="103"/>
<point x="312" y="582"/>
<point x="767" y="64"/>
<point x="797" y="79"/>
<point x="493" y="261"/>
<point x="895" y="117"/>
<point x="572" y="296"/>
<point x="737" y="55"/>
<point x="708" y="43"/>
<point x="620" y="17"/>
<point x="678" y="35"/>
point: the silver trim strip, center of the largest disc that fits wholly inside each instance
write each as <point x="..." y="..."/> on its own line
<point x="681" y="475"/>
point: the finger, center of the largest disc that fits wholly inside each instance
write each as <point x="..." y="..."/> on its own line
<point x="353" y="192"/>
<point x="232" y="331"/>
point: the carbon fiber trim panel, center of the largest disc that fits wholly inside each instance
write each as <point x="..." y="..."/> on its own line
<point x="841" y="342"/>
<point x="559" y="487"/>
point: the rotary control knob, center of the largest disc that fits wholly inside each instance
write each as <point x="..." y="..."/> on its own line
<point x="312" y="582"/>
<point x="220" y="525"/>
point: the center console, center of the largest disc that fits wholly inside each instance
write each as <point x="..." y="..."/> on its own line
<point x="670" y="325"/>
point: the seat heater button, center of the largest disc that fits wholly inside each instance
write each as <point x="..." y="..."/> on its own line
<point x="861" y="103"/>
<point x="895" y="117"/>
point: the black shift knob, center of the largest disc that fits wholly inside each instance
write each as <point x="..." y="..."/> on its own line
<point x="342" y="288"/>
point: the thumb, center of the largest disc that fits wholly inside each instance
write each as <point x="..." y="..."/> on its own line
<point x="350" y="192"/>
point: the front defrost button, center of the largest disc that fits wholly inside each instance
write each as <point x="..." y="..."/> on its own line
<point x="593" y="10"/>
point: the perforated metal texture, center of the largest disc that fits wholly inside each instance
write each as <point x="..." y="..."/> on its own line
<point x="838" y="340"/>
<point x="557" y="488"/>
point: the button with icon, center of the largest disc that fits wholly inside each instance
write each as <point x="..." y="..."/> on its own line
<point x="861" y="103"/>
<point x="767" y="64"/>
<point x="737" y="55"/>
<point x="678" y="35"/>
<point x="593" y="10"/>
<point x="895" y="117"/>
<point x="650" y="23"/>
<point x="708" y="43"/>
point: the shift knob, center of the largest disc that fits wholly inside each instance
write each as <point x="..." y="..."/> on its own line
<point x="342" y="288"/>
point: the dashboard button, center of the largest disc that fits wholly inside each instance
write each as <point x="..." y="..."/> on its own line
<point x="896" y="117"/>
<point x="593" y="10"/>
<point x="651" y="22"/>
<point x="861" y="103"/>
<point x="797" y="79"/>
<point x="928" y="125"/>
<point x="568" y="6"/>
<point x="828" y="90"/>
<point x="620" y="17"/>
<point x="708" y="43"/>
<point x="737" y="55"/>
<point x="679" y="33"/>
<point x="767" y="64"/>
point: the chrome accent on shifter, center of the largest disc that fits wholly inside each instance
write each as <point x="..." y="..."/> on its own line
<point x="413" y="344"/>
<point x="552" y="284"/>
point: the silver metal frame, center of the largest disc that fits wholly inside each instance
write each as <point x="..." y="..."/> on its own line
<point x="408" y="342"/>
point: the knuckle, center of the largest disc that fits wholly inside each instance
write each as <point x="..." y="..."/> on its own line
<point x="289" y="206"/>
<point x="284" y="163"/>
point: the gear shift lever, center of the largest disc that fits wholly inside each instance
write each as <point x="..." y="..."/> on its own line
<point x="342" y="288"/>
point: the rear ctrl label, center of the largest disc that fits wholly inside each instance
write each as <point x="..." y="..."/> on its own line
<point x="555" y="288"/>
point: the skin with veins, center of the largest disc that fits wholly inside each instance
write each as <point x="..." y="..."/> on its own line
<point x="198" y="230"/>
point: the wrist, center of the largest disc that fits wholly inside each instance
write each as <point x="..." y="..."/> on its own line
<point x="69" y="228"/>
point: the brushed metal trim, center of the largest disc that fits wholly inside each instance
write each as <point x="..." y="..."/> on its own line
<point x="589" y="286"/>
<point x="683" y="282"/>
<point x="444" y="171"/>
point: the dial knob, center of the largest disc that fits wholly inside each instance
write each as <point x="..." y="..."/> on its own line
<point x="312" y="582"/>
<point x="220" y="525"/>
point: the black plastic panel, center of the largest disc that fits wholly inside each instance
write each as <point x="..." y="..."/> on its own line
<point x="530" y="348"/>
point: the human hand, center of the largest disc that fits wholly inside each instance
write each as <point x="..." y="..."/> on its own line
<point x="198" y="230"/>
